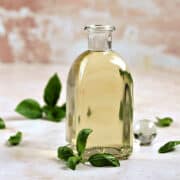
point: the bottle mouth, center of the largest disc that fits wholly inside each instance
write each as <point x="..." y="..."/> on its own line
<point x="99" y="28"/>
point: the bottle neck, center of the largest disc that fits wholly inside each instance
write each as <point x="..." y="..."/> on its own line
<point x="100" y="41"/>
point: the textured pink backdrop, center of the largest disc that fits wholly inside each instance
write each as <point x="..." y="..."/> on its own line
<point x="52" y="30"/>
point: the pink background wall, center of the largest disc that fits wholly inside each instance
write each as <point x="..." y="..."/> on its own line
<point x="147" y="31"/>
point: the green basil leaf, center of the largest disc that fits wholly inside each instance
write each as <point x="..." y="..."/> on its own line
<point x="164" y="122"/>
<point x="81" y="140"/>
<point x="64" y="153"/>
<point x="103" y="159"/>
<point x="29" y="108"/>
<point x="126" y="75"/>
<point x="16" y="139"/>
<point x="55" y="114"/>
<point x="168" y="147"/>
<point x="63" y="107"/>
<point x="2" y="124"/>
<point x="73" y="161"/>
<point x="52" y="90"/>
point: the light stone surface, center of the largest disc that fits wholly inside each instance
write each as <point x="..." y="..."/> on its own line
<point x="157" y="93"/>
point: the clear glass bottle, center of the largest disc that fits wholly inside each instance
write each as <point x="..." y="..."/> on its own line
<point x="100" y="97"/>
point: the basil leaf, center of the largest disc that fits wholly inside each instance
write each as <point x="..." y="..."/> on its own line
<point x="29" y="108"/>
<point x="55" y="114"/>
<point x="2" y="124"/>
<point x="64" y="153"/>
<point x="16" y="139"/>
<point x="73" y="161"/>
<point x="63" y="107"/>
<point x="52" y="90"/>
<point x="168" y="147"/>
<point x="81" y="140"/>
<point x="126" y="75"/>
<point x="164" y="122"/>
<point x="103" y="159"/>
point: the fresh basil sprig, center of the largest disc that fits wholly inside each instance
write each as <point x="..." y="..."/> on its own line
<point x="2" y="124"/>
<point x="15" y="139"/>
<point x="164" y="122"/>
<point x="66" y="153"/>
<point x="168" y="147"/>
<point x="72" y="159"/>
<point x="30" y="108"/>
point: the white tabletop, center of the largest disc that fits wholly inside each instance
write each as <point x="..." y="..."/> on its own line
<point x="157" y="93"/>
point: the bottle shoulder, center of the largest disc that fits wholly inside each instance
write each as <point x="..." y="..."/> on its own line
<point x="110" y="58"/>
<point x="93" y="63"/>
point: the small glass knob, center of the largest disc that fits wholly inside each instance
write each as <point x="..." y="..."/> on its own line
<point x="145" y="131"/>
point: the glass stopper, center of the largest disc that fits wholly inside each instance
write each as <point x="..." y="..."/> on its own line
<point x="145" y="131"/>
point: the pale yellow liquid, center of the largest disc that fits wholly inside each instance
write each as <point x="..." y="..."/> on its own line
<point x="99" y="96"/>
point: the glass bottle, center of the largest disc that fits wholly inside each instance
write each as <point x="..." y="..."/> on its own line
<point x="100" y="97"/>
